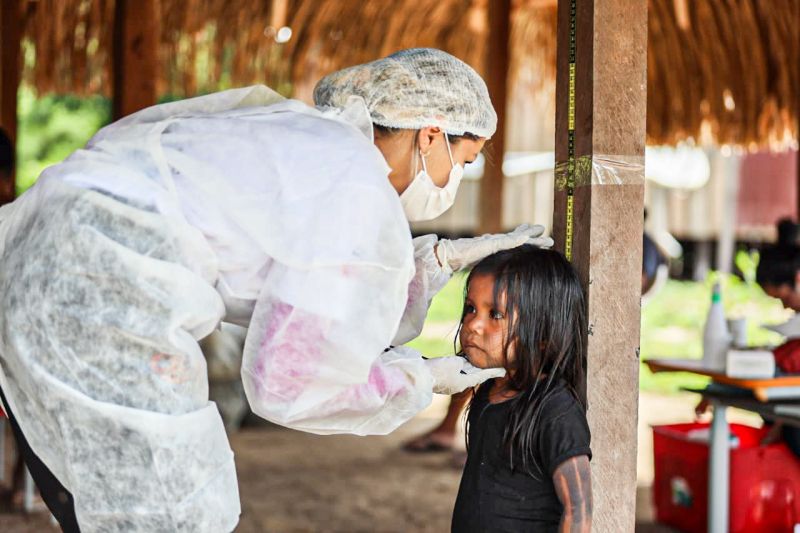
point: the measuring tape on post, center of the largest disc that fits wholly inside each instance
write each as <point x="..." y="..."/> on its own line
<point x="571" y="166"/>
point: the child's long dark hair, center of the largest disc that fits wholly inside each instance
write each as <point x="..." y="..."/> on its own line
<point x="546" y="312"/>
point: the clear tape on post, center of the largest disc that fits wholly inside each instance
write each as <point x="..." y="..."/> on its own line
<point x="601" y="170"/>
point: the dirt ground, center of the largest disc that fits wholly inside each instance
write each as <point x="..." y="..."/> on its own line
<point x="292" y="481"/>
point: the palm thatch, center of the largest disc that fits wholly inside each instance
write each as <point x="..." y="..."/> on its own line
<point x="727" y="70"/>
<point x="722" y="71"/>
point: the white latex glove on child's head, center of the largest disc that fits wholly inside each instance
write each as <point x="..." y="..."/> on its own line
<point x="454" y="374"/>
<point x="463" y="253"/>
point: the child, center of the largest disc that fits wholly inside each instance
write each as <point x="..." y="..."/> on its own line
<point x="528" y="440"/>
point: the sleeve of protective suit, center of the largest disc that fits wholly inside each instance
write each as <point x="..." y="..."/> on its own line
<point x="429" y="278"/>
<point x="314" y="358"/>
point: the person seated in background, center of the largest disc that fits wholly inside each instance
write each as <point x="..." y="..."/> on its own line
<point x="12" y="496"/>
<point x="788" y="231"/>
<point x="654" y="266"/>
<point x="778" y="274"/>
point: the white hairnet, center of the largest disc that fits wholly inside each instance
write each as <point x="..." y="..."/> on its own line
<point x="413" y="89"/>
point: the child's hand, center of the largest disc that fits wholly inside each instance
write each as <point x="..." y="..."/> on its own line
<point x="448" y="377"/>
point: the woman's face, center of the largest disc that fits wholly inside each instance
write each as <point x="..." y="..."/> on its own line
<point x="437" y="159"/>
<point x="404" y="159"/>
<point x="484" y="327"/>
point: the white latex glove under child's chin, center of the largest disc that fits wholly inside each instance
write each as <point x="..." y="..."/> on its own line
<point x="454" y="374"/>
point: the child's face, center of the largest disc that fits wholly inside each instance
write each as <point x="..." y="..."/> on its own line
<point x="484" y="327"/>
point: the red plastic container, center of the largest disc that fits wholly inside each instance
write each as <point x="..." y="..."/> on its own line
<point x="764" y="480"/>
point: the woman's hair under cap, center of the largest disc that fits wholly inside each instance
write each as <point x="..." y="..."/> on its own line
<point x="414" y="89"/>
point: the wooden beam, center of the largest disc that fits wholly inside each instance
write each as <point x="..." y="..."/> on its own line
<point x="609" y="137"/>
<point x="10" y="68"/>
<point x="135" y="68"/>
<point x="278" y="14"/>
<point x="491" y="190"/>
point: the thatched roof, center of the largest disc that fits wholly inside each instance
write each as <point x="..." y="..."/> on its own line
<point x="718" y="70"/>
<point x="727" y="70"/>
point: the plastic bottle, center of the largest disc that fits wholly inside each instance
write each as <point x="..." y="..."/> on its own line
<point x="716" y="337"/>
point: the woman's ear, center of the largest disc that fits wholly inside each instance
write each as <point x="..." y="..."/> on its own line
<point x="426" y="137"/>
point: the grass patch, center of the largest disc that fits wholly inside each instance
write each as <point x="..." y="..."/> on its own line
<point x="447" y="305"/>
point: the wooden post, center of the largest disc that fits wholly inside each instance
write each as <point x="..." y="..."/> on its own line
<point x="135" y="68"/>
<point x="278" y="14"/>
<point x="609" y="136"/>
<point x="491" y="191"/>
<point x="10" y="67"/>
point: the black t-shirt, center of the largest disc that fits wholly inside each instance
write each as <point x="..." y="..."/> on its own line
<point x="493" y="498"/>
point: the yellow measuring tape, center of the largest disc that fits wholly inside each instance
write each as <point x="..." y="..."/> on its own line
<point x="571" y="167"/>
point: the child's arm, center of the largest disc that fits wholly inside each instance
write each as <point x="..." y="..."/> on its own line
<point x="573" y="483"/>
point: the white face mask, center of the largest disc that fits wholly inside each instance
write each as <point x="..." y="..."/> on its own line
<point x="422" y="199"/>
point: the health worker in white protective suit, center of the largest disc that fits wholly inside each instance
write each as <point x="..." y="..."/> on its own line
<point x="245" y="207"/>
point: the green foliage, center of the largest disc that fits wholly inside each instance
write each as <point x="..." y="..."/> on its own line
<point x="747" y="262"/>
<point x="52" y="127"/>
<point x="443" y="317"/>
<point x="447" y="305"/>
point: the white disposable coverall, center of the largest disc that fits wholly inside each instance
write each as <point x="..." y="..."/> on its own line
<point x="109" y="266"/>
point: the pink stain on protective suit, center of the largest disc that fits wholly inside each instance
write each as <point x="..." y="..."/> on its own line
<point x="369" y="398"/>
<point x="416" y="289"/>
<point x="387" y="381"/>
<point x="288" y="357"/>
<point x="289" y="360"/>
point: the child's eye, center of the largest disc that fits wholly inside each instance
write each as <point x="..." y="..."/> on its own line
<point x="497" y="315"/>
<point x="468" y="309"/>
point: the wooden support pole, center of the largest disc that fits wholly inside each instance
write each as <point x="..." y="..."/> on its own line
<point x="609" y="136"/>
<point x="10" y="69"/>
<point x="135" y="68"/>
<point x="491" y="191"/>
<point x="278" y="14"/>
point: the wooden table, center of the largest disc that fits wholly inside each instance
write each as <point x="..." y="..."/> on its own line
<point x="760" y="395"/>
<point x="765" y="390"/>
